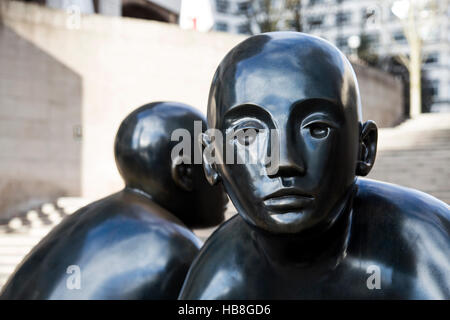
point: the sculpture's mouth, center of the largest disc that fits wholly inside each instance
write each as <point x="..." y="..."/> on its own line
<point x="287" y="200"/>
<point x="288" y="203"/>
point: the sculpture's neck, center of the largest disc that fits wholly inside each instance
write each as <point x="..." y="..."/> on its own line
<point x="138" y="192"/>
<point x="325" y="245"/>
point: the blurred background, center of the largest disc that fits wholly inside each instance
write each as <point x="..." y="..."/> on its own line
<point x="71" y="70"/>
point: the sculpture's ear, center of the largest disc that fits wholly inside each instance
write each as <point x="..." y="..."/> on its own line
<point x="209" y="167"/>
<point x="367" y="148"/>
<point x="182" y="173"/>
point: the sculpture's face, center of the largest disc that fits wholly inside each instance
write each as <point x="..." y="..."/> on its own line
<point x="304" y="89"/>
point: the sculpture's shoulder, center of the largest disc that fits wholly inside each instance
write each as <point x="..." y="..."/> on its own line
<point x="218" y="271"/>
<point x="117" y="218"/>
<point x="110" y="237"/>
<point x="233" y="228"/>
<point x="389" y="200"/>
<point x="400" y="212"/>
<point x="407" y="230"/>
<point x="120" y="217"/>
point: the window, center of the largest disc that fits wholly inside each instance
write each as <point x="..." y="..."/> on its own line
<point x="292" y="24"/>
<point x="243" y="7"/>
<point x="342" y="42"/>
<point x="343" y="18"/>
<point x="433" y="88"/>
<point x="373" y="39"/>
<point x="315" y="22"/>
<point x="399" y="37"/>
<point x="222" y="6"/>
<point x="221" y="26"/>
<point x="314" y="2"/>
<point x="431" y="58"/>
<point x="243" y="28"/>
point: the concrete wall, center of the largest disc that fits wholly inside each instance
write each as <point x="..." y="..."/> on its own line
<point x="381" y="96"/>
<point x="40" y="105"/>
<point x="125" y="63"/>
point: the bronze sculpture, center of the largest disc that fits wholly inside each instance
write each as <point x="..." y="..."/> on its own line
<point x="310" y="229"/>
<point x="134" y="244"/>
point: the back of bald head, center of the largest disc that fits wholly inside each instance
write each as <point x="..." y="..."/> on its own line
<point x="143" y="144"/>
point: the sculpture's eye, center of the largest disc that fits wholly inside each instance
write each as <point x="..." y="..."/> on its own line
<point x="318" y="130"/>
<point x="246" y="137"/>
<point x="246" y="132"/>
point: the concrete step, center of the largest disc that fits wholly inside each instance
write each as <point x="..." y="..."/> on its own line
<point x="21" y="234"/>
<point x="7" y="269"/>
<point x="14" y="250"/>
<point x="19" y="240"/>
<point x="72" y="203"/>
<point x="11" y="260"/>
<point x="3" y="278"/>
<point x="416" y="154"/>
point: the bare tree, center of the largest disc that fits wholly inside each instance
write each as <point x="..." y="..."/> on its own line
<point x="417" y="19"/>
<point x="294" y="6"/>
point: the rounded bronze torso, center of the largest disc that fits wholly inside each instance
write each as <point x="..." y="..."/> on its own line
<point x="397" y="234"/>
<point x="125" y="246"/>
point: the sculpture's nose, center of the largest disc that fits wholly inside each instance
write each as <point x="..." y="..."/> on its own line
<point x="290" y="163"/>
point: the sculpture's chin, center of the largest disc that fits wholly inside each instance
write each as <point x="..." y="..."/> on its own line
<point x="281" y="223"/>
<point x="288" y="218"/>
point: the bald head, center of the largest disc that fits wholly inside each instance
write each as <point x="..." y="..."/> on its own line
<point x="143" y="152"/>
<point x="143" y="144"/>
<point x="278" y="69"/>
<point x="304" y="91"/>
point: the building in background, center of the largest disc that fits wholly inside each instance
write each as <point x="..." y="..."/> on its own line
<point x="372" y="22"/>
<point x="350" y="24"/>
<point x="158" y="10"/>
<point x="227" y="15"/>
<point x="231" y="16"/>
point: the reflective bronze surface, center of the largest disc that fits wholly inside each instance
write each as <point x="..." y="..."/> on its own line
<point x="134" y="244"/>
<point x="311" y="230"/>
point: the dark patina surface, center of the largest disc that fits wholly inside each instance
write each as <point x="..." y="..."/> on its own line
<point x="311" y="229"/>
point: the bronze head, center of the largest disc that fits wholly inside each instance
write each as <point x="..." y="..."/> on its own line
<point x="305" y="90"/>
<point x="143" y="148"/>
